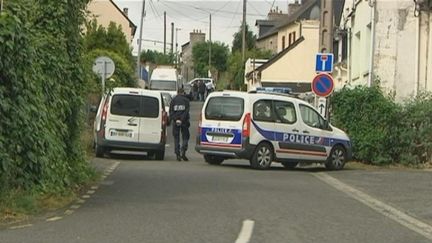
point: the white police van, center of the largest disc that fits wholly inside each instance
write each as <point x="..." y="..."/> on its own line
<point x="266" y="127"/>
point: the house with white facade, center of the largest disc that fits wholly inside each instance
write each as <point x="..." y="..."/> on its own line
<point x="387" y="42"/>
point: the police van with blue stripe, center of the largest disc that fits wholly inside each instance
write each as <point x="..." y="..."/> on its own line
<point x="265" y="127"/>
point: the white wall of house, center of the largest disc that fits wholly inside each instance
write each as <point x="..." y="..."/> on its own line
<point x="401" y="62"/>
<point x="105" y="13"/>
<point x="298" y="65"/>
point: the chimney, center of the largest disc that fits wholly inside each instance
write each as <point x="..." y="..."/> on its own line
<point x="126" y="11"/>
<point x="292" y="7"/>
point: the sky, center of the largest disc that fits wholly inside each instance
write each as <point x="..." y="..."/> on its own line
<point x="194" y="15"/>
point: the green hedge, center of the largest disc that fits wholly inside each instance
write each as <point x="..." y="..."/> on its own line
<point x="42" y="85"/>
<point x="381" y="130"/>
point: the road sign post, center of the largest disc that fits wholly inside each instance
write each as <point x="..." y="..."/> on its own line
<point x="324" y="63"/>
<point x="104" y="67"/>
<point x="322" y="86"/>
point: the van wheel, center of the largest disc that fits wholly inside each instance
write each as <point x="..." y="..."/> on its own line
<point x="289" y="165"/>
<point x="100" y="151"/>
<point x="337" y="158"/>
<point x="262" y="157"/>
<point x="160" y="155"/>
<point x="213" y="160"/>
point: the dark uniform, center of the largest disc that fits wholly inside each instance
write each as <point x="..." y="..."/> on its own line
<point x="179" y="114"/>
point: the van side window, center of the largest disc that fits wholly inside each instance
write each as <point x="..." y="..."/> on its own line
<point x="262" y="111"/>
<point x="285" y="112"/>
<point x="311" y="117"/>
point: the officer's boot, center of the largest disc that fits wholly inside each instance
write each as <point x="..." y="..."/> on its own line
<point x="183" y="156"/>
<point x="178" y="157"/>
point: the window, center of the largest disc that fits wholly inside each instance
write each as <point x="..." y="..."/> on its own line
<point x="169" y="85"/>
<point x="125" y="105"/>
<point x="150" y="107"/>
<point x="294" y="36"/>
<point x="285" y="112"/>
<point x="311" y="117"/>
<point x="283" y="42"/>
<point x="224" y="108"/>
<point x="262" y="111"/>
<point x="133" y="105"/>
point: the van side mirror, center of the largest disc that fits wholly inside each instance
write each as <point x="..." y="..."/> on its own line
<point x="93" y="108"/>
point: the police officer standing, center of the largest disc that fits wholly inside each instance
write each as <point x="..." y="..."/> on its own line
<point x="179" y="113"/>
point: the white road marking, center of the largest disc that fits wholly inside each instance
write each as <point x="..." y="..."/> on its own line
<point x="94" y="187"/>
<point x="68" y="212"/>
<point x="384" y="209"/>
<point x="91" y="191"/>
<point x="76" y="206"/>
<point x="167" y="145"/>
<point x="246" y="231"/>
<point x="20" y="226"/>
<point x="53" y="219"/>
<point x="86" y="196"/>
<point x="80" y="201"/>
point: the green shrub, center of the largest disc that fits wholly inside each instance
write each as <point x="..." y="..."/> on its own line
<point x="42" y="85"/>
<point x="416" y="130"/>
<point x="381" y="130"/>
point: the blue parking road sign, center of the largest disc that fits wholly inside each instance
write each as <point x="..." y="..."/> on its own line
<point x="322" y="85"/>
<point x="324" y="63"/>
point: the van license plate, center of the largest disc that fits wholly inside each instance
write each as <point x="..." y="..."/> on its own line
<point x="220" y="139"/>
<point x="121" y="134"/>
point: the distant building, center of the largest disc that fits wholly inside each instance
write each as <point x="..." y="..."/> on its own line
<point x="106" y="11"/>
<point x="187" y="69"/>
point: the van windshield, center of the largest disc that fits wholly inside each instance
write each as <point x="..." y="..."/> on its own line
<point x="163" y="85"/>
<point x="224" y="108"/>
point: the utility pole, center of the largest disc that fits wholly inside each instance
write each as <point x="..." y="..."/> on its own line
<point x="176" y="46"/>
<point x="326" y="27"/>
<point x="172" y="38"/>
<point x="210" y="47"/>
<point x="1" y="6"/>
<point x="326" y="37"/>
<point x="164" y="33"/>
<point x="244" y="32"/>
<point x="139" y="41"/>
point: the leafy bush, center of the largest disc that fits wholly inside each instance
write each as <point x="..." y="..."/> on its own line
<point x="42" y="87"/>
<point x="381" y="130"/>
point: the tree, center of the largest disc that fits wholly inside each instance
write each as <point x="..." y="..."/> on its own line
<point x="157" y="58"/>
<point x="111" y="38"/>
<point x="238" y="39"/>
<point x="110" y="42"/>
<point x="219" y="57"/>
<point x="236" y="66"/>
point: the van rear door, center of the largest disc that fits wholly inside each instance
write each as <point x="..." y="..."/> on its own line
<point x="123" y="118"/>
<point x="222" y="122"/>
<point x="150" y="128"/>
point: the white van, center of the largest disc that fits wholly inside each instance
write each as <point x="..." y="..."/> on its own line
<point x="131" y="119"/>
<point x="263" y="128"/>
<point x="164" y="79"/>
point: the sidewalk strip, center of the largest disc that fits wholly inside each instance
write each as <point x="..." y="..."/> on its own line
<point x="246" y="231"/>
<point x="382" y="208"/>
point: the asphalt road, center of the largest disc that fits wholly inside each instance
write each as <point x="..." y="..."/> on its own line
<point x="141" y="200"/>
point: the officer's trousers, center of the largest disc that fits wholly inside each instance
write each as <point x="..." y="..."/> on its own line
<point x="184" y="131"/>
